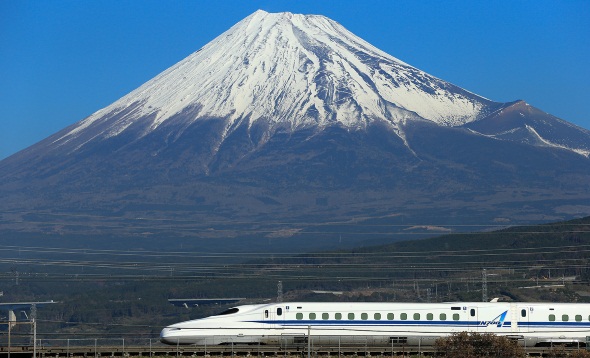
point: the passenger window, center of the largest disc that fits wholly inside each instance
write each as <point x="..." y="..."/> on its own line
<point x="279" y="311"/>
<point x="351" y="316"/>
<point x="377" y="316"/>
<point x="312" y="315"/>
<point x="578" y="318"/>
<point x="299" y="315"/>
<point x="364" y="316"/>
<point x="429" y="316"/>
<point x="325" y="316"/>
<point x="472" y="312"/>
<point x="416" y="316"/>
<point x="523" y="313"/>
<point x="338" y="316"/>
<point x="443" y="317"/>
<point x="404" y="316"/>
<point x="551" y="318"/>
<point x="565" y="318"/>
<point x="455" y="316"/>
<point x="390" y="316"/>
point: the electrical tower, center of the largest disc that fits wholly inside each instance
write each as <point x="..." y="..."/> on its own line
<point x="280" y="292"/>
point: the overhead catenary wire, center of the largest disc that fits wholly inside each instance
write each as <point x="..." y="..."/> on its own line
<point x="254" y="255"/>
<point x="192" y="263"/>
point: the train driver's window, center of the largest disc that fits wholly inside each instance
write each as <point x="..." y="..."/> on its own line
<point x="565" y="318"/>
<point x="229" y="311"/>
<point x="443" y="317"/>
<point x="279" y="311"/>
<point x="390" y="316"/>
<point x="551" y="317"/>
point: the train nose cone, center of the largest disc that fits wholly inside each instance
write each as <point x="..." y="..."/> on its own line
<point x="166" y="336"/>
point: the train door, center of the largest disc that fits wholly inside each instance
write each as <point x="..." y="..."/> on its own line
<point x="274" y="316"/>
<point x="280" y="317"/>
<point x="472" y="319"/>
<point x="523" y="316"/>
<point x="268" y="316"/>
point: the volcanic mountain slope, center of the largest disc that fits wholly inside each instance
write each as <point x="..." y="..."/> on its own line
<point x="289" y="125"/>
<point x="520" y="122"/>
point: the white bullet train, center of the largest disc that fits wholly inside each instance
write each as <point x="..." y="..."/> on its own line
<point x="384" y="324"/>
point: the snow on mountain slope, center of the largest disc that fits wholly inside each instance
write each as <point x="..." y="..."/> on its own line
<point x="290" y="70"/>
<point x="520" y="122"/>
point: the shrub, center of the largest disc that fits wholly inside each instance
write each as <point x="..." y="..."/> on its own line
<point x="562" y="352"/>
<point x="475" y="345"/>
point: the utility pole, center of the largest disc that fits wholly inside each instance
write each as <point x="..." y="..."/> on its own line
<point x="9" y="333"/>
<point x="34" y="328"/>
<point x="308" y="341"/>
<point x="484" y="286"/>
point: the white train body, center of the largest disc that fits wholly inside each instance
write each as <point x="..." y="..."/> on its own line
<point x="384" y="323"/>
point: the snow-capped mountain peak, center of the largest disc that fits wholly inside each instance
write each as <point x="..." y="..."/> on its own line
<point x="294" y="71"/>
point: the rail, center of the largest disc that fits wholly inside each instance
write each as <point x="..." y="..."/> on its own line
<point x="159" y="350"/>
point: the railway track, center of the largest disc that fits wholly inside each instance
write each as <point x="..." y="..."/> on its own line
<point x="229" y="351"/>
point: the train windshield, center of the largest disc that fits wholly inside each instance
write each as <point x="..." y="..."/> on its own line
<point x="228" y="311"/>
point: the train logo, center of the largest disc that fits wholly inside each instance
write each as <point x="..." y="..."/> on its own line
<point x="498" y="320"/>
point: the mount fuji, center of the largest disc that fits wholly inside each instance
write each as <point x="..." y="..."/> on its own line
<point x="288" y="131"/>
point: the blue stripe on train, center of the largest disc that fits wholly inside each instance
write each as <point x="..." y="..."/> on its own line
<point x="424" y="323"/>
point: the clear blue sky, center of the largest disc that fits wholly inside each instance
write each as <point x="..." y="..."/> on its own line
<point x="62" y="60"/>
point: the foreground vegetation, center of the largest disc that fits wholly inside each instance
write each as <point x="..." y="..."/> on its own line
<point x="476" y="345"/>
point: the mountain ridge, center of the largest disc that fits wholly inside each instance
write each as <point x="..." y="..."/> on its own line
<point x="522" y="122"/>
